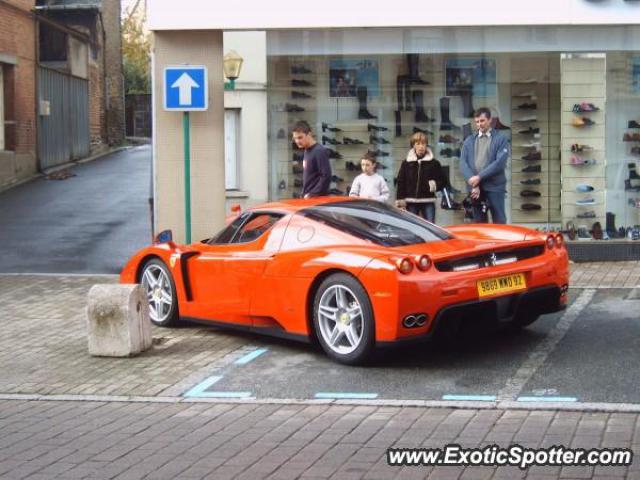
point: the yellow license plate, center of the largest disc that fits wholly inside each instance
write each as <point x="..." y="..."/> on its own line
<point x="496" y="286"/>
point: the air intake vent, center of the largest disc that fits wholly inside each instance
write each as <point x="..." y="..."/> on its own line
<point x="490" y="259"/>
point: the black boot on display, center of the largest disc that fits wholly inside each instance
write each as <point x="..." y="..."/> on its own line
<point x="398" y="115"/>
<point x="445" y="121"/>
<point x="467" y="104"/>
<point x="418" y="101"/>
<point x="414" y="62"/>
<point x="400" y="83"/>
<point x="363" y="113"/>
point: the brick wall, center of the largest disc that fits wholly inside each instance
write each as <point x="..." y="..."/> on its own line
<point x="17" y="40"/>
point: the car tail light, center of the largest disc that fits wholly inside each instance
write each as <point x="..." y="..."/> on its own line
<point x="550" y="242"/>
<point x="559" y="240"/>
<point x="404" y="265"/>
<point x="423" y="262"/>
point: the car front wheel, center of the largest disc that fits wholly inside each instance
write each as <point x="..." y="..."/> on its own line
<point x="343" y="319"/>
<point x="160" y="290"/>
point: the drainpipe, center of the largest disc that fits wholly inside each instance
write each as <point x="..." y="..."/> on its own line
<point x="104" y="77"/>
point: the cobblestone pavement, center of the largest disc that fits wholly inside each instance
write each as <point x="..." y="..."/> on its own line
<point x="45" y="440"/>
<point x="43" y="351"/>
<point x="605" y="274"/>
<point x="43" y="345"/>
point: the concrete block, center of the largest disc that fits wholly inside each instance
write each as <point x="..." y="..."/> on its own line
<point x="118" y="322"/>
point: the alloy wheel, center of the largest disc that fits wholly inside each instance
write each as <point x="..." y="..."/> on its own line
<point x="340" y="319"/>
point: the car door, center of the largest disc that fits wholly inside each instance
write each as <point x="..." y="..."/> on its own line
<point x="224" y="273"/>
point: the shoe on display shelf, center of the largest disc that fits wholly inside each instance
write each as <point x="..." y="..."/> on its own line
<point x="575" y="160"/>
<point x="374" y="139"/>
<point x="376" y="128"/>
<point x="448" y="139"/>
<point x="334" y="154"/>
<point x="420" y="130"/>
<point x="300" y="70"/>
<point x="292" y="107"/>
<point x="351" y="166"/>
<point x="378" y="153"/>
<point x="326" y="126"/>
<point x="584" y="107"/>
<point x="528" y="118"/>
<point x="531" y="181"/>
<point x="301" y="95"/>
<point x="577" y="148"/>
<point x="352" y="141"/>
<point x="527" y="106"/>
<point x="331" y="141"/>
<point x="532" y="156"/>
<point x="530" y="193"/>
<point x="528" y="80"/>
<point x="282" y="185"/>
<point x="586" y="201"/>
<point x="582" y="122"/>
<point x="635" y="233"/>
<point x="297" y="169"/>
<point x="532" y="169"/>
<point x="535" y="145"/>
<point x="627" y="137"/>
<point x="295" y="82"/>
<point x="635" y="150"/>
<point x="588" y="214"/>
<point x="337" y="179"/>
<point x="530" y="206"/>
<point x="584" y="188"/>
<point x="297" y="182"/>
<point x="531" y="93"/>
<point x="633" y="124"/>
<point x="529" y="131"/>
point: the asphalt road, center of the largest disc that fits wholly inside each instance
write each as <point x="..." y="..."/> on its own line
<point x="586" y="354"/>
<point x="88" y="223"/>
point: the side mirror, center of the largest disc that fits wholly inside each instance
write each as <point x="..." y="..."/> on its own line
<point x="164" y="237"/>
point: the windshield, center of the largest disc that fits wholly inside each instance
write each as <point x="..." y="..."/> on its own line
<point x="377" y="222"/>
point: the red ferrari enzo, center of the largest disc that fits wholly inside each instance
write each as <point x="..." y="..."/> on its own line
<point x="351" y="274"/>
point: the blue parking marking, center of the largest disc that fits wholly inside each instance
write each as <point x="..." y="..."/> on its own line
<point x="250" y="356"/>
<point x="199" y="389"/>
<point x="344" y="395"/>
<point x="225" y="394"/>
<point x="547" y="399"/>
<point x="467" y="398"/>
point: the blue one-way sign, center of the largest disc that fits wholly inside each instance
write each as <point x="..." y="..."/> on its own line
<point x="185" y="88"/>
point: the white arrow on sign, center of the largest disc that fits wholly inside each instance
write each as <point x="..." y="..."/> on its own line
<point x="184" y="84"/>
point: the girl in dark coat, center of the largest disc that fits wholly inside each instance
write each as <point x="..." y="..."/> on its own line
<point x="419" y="178"/>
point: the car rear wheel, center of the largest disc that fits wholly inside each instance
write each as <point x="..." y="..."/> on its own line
<point x="343" y="319"/>
<point x="160" y="290"/>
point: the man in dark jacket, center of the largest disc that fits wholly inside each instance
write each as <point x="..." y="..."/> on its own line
<point x="316" y="175"/>
<point x="483" y="161"/>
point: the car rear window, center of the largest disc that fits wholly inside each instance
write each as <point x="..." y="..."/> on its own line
<point x="377" y="222"/>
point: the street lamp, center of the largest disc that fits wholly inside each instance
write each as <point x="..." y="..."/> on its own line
<point x="231" y="64"/>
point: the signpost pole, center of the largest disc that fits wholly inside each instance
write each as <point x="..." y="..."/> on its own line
<point x="187" y="175"/>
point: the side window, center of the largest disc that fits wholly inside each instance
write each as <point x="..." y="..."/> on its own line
<point x="229" y="231"/>
<point x="255" y="227"/>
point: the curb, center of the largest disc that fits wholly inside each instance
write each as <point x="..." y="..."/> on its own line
<point x="472" y="405"/>
<point x="74" y="163"/>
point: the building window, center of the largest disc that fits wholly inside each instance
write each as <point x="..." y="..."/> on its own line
<point x="53" y="44"/>
<point x="231" y="142"/>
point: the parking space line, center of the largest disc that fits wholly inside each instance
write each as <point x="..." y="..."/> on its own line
<point x="226" y="395"/>
<point x="250" y="356"/>
<point x="478" y="398"/>
<point x="547" y="399"/>
<point x="537" y="357"/>
<point x="345" y="395"/>
<point x="199" y="389"/>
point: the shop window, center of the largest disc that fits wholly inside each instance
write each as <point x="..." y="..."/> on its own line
<point x="231" y="142"/>
<point x="566" y="98"/>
